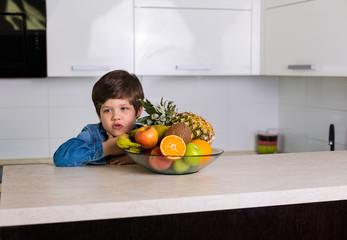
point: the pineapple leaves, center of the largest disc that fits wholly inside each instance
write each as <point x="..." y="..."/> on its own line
<point x="161" y="114"/>
<point x="148" y="106"/>
<point x="143" y="120"/>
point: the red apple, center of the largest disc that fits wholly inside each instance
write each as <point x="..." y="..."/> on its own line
<point x="158" y="162"/>
<point x="156" y="151"/>
<point x="147" y="152"/>
<point x="147" y="136"/>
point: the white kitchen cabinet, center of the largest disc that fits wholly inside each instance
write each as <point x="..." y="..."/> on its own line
<point x="306" y="38"/>
<point x="89" y="38"/>
<point x="197" y="37"/>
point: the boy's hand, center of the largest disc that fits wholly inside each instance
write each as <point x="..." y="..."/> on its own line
<point x="110" y="146"/>
<point x="120" y="160"/>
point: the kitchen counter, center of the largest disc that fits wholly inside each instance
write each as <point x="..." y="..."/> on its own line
<point x="43" y="193"/>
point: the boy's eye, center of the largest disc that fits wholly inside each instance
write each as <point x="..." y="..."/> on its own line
<point x="124" y="108"/>
<point x="107" y="110"/>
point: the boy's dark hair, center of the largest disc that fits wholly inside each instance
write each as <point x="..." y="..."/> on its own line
<point x="117" y="84"/>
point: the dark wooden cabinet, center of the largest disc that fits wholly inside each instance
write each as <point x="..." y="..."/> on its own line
<point x="324" y="220"/>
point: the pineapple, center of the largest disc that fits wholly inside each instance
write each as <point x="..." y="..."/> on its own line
<point x="201" y="129"/>
<point x="166" y="113"/>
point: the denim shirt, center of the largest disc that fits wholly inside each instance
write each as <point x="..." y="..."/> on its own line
<point x="84" y="149"/>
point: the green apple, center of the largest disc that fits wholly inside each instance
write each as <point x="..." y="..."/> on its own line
<point x="180" y="166"/>
<point x="190" y="157"/>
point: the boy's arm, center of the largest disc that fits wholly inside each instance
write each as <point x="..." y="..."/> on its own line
<point x="87" y="147"/>
<point x="77" y="152"/>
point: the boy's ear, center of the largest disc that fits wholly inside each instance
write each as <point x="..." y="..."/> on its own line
<point x="139" y="112"/>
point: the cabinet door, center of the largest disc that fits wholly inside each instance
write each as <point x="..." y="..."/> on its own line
<point x="307" y="39"/>
<point x="89" y="38"/>
<point x="178" y="41"/>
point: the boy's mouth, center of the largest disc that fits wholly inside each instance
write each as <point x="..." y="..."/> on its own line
<point x="117" y="126"/>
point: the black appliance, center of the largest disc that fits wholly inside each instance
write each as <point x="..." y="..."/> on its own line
<point x="23" y="38"/>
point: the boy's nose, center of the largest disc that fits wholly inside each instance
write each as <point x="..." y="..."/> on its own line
<point x="115" y="117"/>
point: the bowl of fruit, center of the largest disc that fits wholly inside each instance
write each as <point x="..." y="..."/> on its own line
<point x="170" y="142"/>
<point x="173" y="165"/>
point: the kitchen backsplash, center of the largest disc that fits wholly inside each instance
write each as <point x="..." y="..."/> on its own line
<point x="307" y="106"/>
<point x="37" y="115"/>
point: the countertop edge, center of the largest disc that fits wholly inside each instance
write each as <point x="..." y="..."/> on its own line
<point x="141" y="208"/>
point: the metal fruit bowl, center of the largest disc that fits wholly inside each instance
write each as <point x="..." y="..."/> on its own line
<point x="160" y="164"/>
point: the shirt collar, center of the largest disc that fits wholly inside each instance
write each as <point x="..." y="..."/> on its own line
<point x="102" y="129"/>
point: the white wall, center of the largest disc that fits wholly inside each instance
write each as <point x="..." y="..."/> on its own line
<point x="37" y="115"/>
<point x="308" y="105"/>
<point x="236" y="106"/>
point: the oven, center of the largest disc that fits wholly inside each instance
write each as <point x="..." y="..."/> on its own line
<point x="23" y="38"/>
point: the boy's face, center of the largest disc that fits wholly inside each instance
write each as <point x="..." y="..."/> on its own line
<point x="118" y="116"/>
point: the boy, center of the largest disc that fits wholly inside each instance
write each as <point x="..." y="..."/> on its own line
<point x="116" y="99"/>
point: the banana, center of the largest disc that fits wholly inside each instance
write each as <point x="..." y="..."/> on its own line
<point x="124" y="141"/>
<point x="134" y="150"/>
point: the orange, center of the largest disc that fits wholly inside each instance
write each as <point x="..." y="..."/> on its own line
<point x="205" y="148"/>
<point x="173" y="147"/>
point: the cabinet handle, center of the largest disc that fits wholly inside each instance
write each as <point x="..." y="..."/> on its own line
<point x="193" y="67"/>
<point x="302" y="67"/>
<point x="90" y="68"/>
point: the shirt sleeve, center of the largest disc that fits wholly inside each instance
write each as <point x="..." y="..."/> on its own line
<point x="79" y="151"/>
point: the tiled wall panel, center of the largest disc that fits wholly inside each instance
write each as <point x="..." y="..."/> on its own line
<point x="308" y="105"/>
<point x="37" y="115"/>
